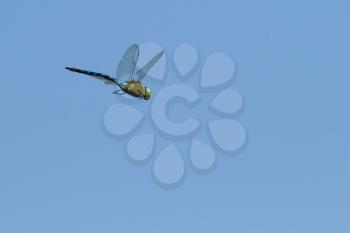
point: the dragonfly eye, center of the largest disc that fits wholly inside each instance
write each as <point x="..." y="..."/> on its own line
<point x="148" y="93"/>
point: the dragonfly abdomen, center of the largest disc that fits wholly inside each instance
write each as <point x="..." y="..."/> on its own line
<point x="105" y="77"/>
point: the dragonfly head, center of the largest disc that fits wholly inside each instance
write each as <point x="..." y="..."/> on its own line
<point x="148" y="93"/>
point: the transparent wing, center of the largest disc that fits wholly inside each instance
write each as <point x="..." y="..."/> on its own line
<point x="126" y="66"/>
<point x="141" y="73"/>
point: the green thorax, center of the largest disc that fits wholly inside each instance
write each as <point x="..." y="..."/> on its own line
<point x="136" y="87"/>
<point x="133" y="87"/>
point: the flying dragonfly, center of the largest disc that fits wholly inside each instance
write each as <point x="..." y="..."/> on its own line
<point x="132" y="84"/>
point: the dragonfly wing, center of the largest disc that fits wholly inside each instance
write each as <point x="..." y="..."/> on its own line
<point x="141" y="73"/>
<point x="127" y="64"/>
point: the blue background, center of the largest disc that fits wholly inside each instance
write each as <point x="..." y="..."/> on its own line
<point x="60" y="173"/>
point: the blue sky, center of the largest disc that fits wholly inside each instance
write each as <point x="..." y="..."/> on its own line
<point x="60" y="173"/>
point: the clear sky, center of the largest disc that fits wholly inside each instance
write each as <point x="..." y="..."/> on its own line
<point x="60" y="173"/>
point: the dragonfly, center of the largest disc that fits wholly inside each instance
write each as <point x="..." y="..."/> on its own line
<point x="128" y="81"/>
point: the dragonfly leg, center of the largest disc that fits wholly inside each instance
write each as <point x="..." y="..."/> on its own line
<point x="119" y="93"/>
<point x="116" y="92"/>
